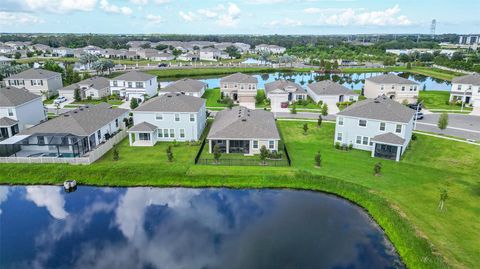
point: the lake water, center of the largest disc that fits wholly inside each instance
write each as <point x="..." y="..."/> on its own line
<point x="353" y="81"/>
<point x="43" y="227"/>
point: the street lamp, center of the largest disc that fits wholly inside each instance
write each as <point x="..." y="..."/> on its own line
<point x="416" y="115"/>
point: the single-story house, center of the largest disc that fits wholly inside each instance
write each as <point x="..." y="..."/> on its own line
<point x="379" y="125"/>
<point x="243" y="130"/>
<point x="282" y="93"/>
<point x="186" y="86"/>
<point x="95" y="88"/>
<point x="331" y="93"/>
<point x="168" y="117"/>
<point x="71" y="134"/>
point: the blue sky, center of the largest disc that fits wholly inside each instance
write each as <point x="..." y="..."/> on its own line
<point x="239" y="17"/>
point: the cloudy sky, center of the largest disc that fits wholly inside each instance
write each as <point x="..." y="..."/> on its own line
<point x="239" y="16"/>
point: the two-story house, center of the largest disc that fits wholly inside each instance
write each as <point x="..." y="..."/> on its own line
<point x="467" y="89"/>
<point x="186" y="86"/>
<point x="241" y="88"/>
<point x="392" y="86"/>
<point x="19" y="110"/>
<point x="37" y="81"/>
<point x="283" y="92"/>
<point x="168" y="117"/>
<point x="134" y="84"/>
<point x="379" y="125"/>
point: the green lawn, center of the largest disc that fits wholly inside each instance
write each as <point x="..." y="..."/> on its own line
<point x="438" y="100"/>
<point x="212" y="96"/>
<point x="114" y="102"/>
<point x="403" y="200"/>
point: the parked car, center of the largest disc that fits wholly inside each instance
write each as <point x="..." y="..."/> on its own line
<point x="419" y="115"/>
<point x="415" y="106"/>
<point x="162" y="65"/>
<point x="60" y="100"/>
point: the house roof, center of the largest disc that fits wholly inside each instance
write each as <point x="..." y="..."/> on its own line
<point x="143" y="127"/>
<point x="34" y="73"/>
<point x="328" y="87"/>
<point x="239" y="78"/>
<point x="95" y="82"/>
<point x="134" y="76"/>
<point x="380" y="108"/>
<point x="11" y="96"/>
<point x="185" y="85"/>
<point x="7" y="122"/>
<point x="389" y="138"/>
<point x="473" y="79"/>
<point x="284" y="86"/>
<point x="391" y="79"/>
<point x="243" y="123"/>
<point x="81" y="121"/>
<point x="172" y="103"/>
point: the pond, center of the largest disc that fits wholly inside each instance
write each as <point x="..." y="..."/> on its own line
<point x="43" y="227"/>
<point x="353" y="81"/>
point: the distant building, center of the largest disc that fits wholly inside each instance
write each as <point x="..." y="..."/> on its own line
<point x="469" y="39"/>
<point x="392" y="86"/>
<point x="94" y="88"/>
<point x="240" y="88"/>
<point x="283" y="92"/>
<point x="62" y="52"/>
<point x="37" y="81"/>
<point x="467" y="89"/>
<point x="274" y="49"/>
<point x="134" y="84"/>
<point x="186" y="86"/>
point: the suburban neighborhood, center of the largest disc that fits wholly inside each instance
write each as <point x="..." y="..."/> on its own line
<point x="241" y="134"/>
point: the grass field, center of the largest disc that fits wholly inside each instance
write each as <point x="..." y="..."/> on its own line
<point x="438" y="100"/>
<point x="212" y="96"/>
<point x="403" y="200"/>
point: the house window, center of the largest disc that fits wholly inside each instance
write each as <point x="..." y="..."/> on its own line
<point x="192" y="117"/>
<point x="10" y="112"/>
<point x="115" y="83"/>
<point x="382" y="126"/>
<point x="362" y="123"/>
<point x="177" y="117"/>
<point x="165" y="133"/>
<point x="129" y="84"/>
<point x="150" y="82"/>
<point x="371" y="142"/>
<point x="116" y="123"/>
<point x="340" y="120"/>
<point x="41" y="140"/>
<point x="158" y="116"/>
<point x="459" y="87"/>
<point x="411" y="88"/>
<point x="365" y="140"/>
<point x="403" y="88"/>
<point x="414" y="88"/>
<point x="350" y="98"/>
<point x="393" y="87"/>
<point x="339" y="136"/>
<point x="255" y="144"/>
<point x="182" y="133"/>
<point x="359" y="140"/>
<point x="172" y="133"/>
<point x="225" y="86"/>
<point x="381" y="87"/>
<point x="99" y="135"/>
<point x="138" y="84"/>
<point x="271" y="144"/>
<point x="398" y="129"/>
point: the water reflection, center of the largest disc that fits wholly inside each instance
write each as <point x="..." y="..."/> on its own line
<point x="42" y="227"/>
<point x="354" y="81"/>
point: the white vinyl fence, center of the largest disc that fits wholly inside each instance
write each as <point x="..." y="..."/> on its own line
<point x="91" y="156"/>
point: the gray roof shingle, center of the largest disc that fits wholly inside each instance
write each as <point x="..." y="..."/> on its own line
<point x="389" y="138"/>
<point x="172" y="103"/>
<point x="391" y="79"/>
<point x="7" y="122"/>
<point x="134" y="76"/>
<point x="380" y="108"/>
<point x="81" y="122"/>
<point x="243" y="123"/>
<point x="328" y="87"/>
<point x="239" y="78"/>
<point x="185" y="85"/>
<point x="34" y="73"/>
<point x="143" y="127"/>
<point x="282" y="85"/>
<point x="473" y="79"/>
<point x="11" y="96"/>
<point x="94" y="82"/>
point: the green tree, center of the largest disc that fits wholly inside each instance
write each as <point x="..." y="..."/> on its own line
<point x="324" y="109"/>
<point x="233" y="52"/>
<point x="293" y="110"/>
<point x="52" y="66"/>
<point x="216" y="153"/>
<point x="409" y="65"/>
<point x="116" y="154"/>
<point x="318" y="159"/>
<point x="133" y="103"/>
<point x="377" y="169"/>
<point x="319" y="121"/>
<point x="260" y="97"/>
<point x="161" y="47"/>
<point x="17" y="55"/>
<point x="169" y="153"/>
<point x="76" y="95"/>
<point x="443" y="121"/>
<point x="71" y="76"/>
<point x="305" y="128"/>
<point x="263" y="154"/>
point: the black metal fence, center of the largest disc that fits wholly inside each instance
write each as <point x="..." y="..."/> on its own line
<point x="251" y="161"/>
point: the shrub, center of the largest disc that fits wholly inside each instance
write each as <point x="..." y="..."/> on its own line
<point x="175" y="143"/>
<point x="318" y="159"/>
<point x="319" y="121"/>
<point x="216" y="153"/>
<point x="263" y="154"/>
<point x="169" y="153"/>
<point x="324" y="110"/>
<point x="305" y="128"/>
<point x="133" y="103"/>
<point x="414" y="136"/>
<point x="337" y="145"/>
<point x="350" y="146"/>
<point x="443" y="121"/>
<point x="294" y="109"/>
<point x="275" y="155"/>
<point x="377" y="169"/>
<point x="116" y="154"/>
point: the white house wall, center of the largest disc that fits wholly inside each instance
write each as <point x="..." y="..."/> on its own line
<point x="27" y="115"/>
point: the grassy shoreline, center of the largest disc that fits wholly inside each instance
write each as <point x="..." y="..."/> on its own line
<point x="402" y="201"/>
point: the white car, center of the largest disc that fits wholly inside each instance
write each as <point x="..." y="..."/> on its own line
<point x="59" y="100"/>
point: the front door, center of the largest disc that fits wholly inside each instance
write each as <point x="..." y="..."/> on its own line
<point x="340" y="99"/>
<point x="467" y="100"/>
<point x="235" y="97"/>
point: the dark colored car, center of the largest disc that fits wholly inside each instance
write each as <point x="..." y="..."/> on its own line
<point x="415" y="106"/>
<point x="162" y="65"/>
<point x="418" y="115"/>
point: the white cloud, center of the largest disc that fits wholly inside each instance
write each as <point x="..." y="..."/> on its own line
<point x="60" y="6"/>
<point x="139" y="2"/>
<point x="267" y="1"/>
<point x="230" y="17"/>
<point x="111" y="8"/>
<point x="161" y="2"/>
<point x="154" y="19"/>
<point x="349" y="16"/>
<point x="11" y="18"/>
<point x="3" y="195"/>
<point x="285" y="22"/>
<point x="207" y="13"/>
<point x="188" y="16"/>
<point x="49" y="197"/>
